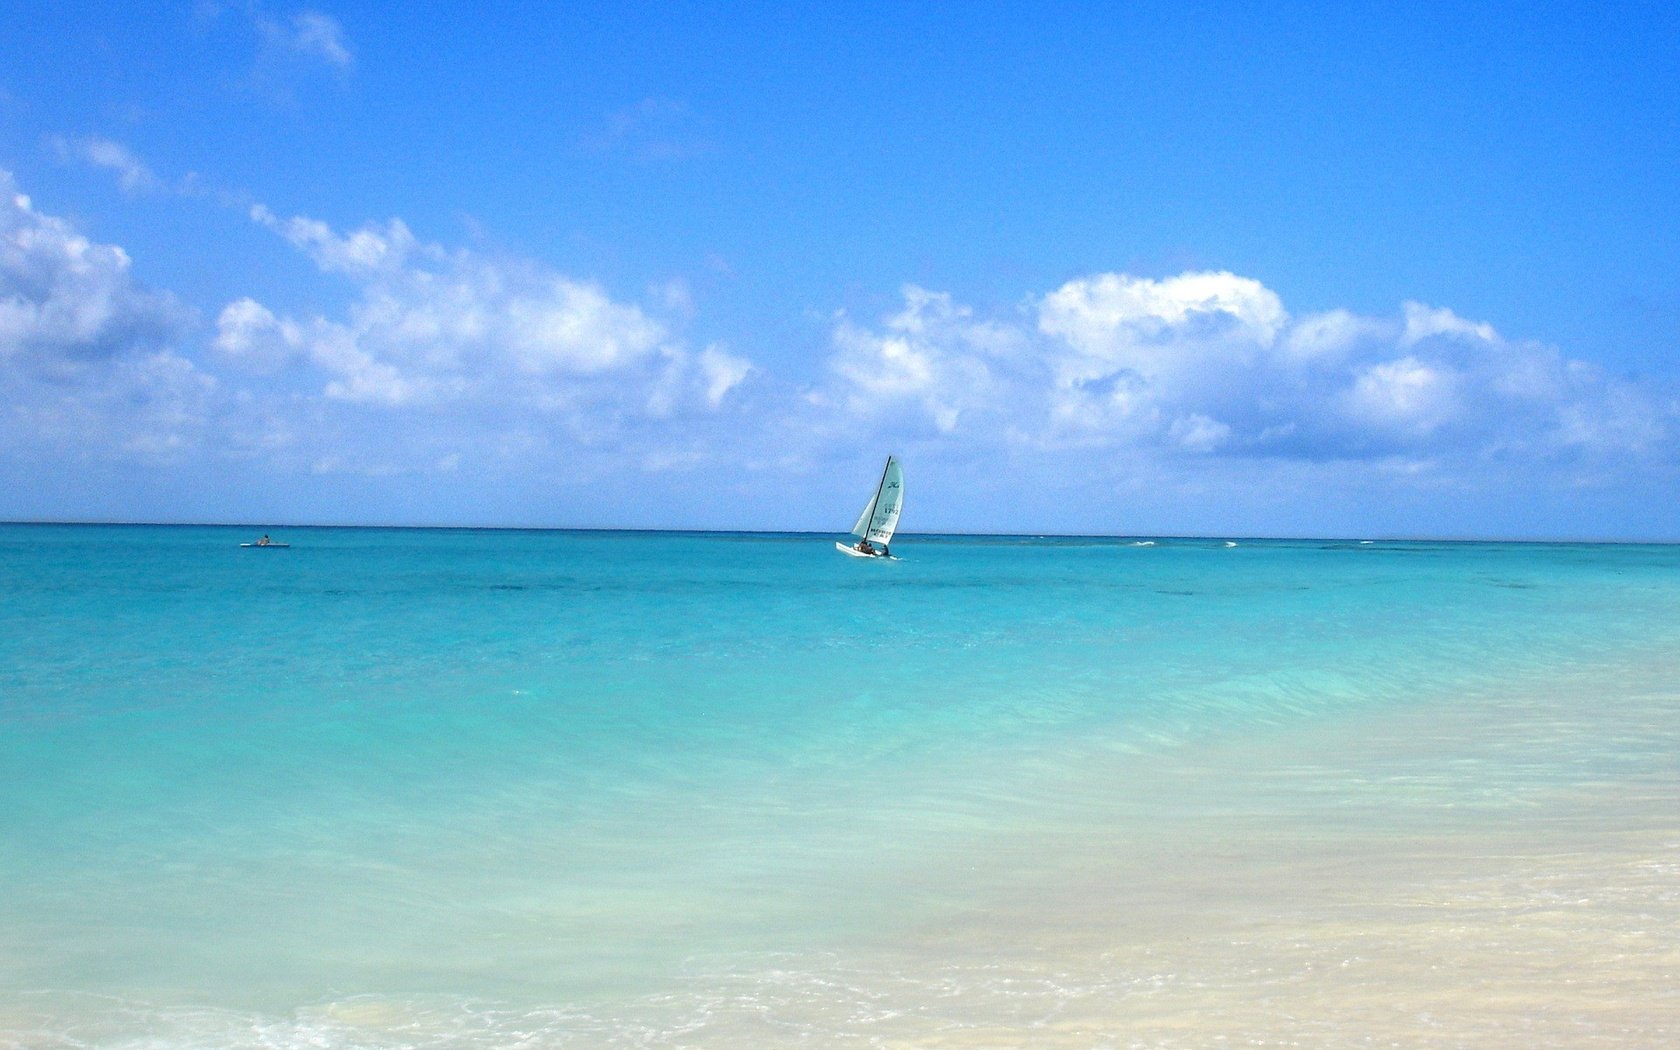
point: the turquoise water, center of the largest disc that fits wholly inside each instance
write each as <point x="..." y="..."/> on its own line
<point x="437" y="787"/>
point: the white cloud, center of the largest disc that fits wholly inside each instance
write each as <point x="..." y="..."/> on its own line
<point x="308" y="35"/>
<point x="1111" y="323"/>
<point x="722" y="372"/>
<point x="933" y="357"/>
<point x="1619" y="420"/>
<point x="291" y="48"/>
<point x="149" y="407"/>
<point x="1211" y="363"/>
<point x="1198" y="433"/>
<point x="1425" y="322"/>
<point x="1406" y="394"/>
<point x="444" y="361"/>
<point x="362" y="253"/>
<point x="476" y="369"/>
<point x="566" y="327"/>
<point x="314" y="33"/>
<point x="433" y="325"/>
<point x="1331" y="335"/>
<point x="132" y="173"/>
<point x="67" y="300"/>
<point x="249" y="334"/>
<point x="89" y="364"/>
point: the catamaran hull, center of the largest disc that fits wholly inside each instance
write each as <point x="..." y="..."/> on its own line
<point x="854" y="552"/>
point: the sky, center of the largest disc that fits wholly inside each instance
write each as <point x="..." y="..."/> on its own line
<point x="1134" y="269"/>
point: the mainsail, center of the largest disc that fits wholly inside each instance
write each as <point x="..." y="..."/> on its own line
<point x="880" y="517"/>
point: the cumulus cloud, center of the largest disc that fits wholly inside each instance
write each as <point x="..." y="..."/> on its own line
<point x="933" y="357"/>
<point x="150" y="407"/>
<point x="249" y="335"/>
<point x="1156" y="329"/>
<point x="1424" y="322"/>
<point x="1198" y="433"/>
<point x="1136" y="355"/>
<point x="444" y="360"/>
<point x="437" y="325"/>
<point x="1319" y="338"/>
<point x="1405" y="394"/>
<point x="66" y="300"/>
<point x="482" y="369"/>
<point x="721" y="372"/>
<point x="1213" y="363"/>
<point x="89" y="362"/>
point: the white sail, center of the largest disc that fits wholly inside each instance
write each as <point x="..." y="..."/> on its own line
<point x="880" y="516"/>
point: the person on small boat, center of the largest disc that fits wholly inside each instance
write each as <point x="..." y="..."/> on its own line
<point x="264" y="541"/>
<point x="865" y="547"/>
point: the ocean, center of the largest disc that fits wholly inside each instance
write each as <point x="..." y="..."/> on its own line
<point x="484" y="788"/>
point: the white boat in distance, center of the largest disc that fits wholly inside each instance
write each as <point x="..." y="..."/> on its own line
<point x="875" y="526"/>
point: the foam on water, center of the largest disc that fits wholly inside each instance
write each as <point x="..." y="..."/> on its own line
<point x="396" y="788"/>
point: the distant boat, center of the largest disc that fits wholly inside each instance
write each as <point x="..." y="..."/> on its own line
<point x="875" y="526"/>
<point x="267" y="544"/>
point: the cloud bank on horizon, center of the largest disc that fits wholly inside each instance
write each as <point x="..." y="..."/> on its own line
<point x="447" y="362"/>
<point x="1212" y="363"/>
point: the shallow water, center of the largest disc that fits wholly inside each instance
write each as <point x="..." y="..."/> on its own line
<point x="457" y="788"/>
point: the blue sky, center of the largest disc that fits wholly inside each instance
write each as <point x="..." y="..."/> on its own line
<point x="1149" y="268"/>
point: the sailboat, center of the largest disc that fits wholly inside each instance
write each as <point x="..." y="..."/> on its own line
<point x="874" y="528"/>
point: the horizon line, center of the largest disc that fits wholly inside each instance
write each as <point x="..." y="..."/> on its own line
<point x="931" y="534"/>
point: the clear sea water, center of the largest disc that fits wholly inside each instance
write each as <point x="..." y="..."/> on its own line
<point x="440" y="788"/>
